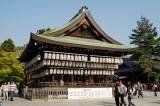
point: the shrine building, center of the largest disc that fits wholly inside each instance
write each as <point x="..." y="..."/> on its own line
<point x="78" y="54"/>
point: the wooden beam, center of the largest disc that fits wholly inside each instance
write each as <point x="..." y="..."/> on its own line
<point x="72" y="78"/>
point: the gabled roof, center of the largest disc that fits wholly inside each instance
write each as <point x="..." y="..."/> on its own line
<point x="96" y="38"/>
<point x="82" y="14"/>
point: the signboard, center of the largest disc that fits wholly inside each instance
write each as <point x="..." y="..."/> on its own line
<point x="84" y="93"/>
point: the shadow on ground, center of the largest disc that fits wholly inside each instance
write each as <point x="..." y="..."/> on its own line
<point x="106" y="103"/>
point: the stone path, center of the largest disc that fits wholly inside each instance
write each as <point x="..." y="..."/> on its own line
<point x="148" y="100"/>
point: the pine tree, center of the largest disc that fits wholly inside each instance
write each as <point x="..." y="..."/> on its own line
<point x="8" y="46"/>
<point x="146" y="37"/>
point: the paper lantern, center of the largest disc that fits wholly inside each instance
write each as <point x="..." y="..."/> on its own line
<point x="76" y="58"/>
<point x="59" y="63"/>
<point x="95" y="72"/>
<point x="55" y="71"/>
<point x="64" y="57"/>
<point x="61" y="71"/>
<point x="48" y="62"/>
<point x="73" y="63"/>
<point x="104" y="73"/>
<point x="45" y="55"/>
<point x="81" y="72"/>
<point x="57" y="56"/>
<point x="65" y="71"/>
<point x="67" y="63"/>
<point x="91" y="65"/>
<point x="84" y="64"/>
<point x="61" y="56"/>
<point x="98" y="72"/>
<point x="52" y="62"/>
<point x="51" y="71"/>
<point x="89" y="72"/>
<point x="86" y="58"/>
<point x="53" y="55"/>
<point x="75" y="72"/>
<point x="85" y="72"/>
<point x="47" y="72"/>
<point x="69" y="72"/>
<point x="80" y="64"/>
<point x="83" y="59"/>
<point x="92" y="72"/>
<point x="63" y="63"/>
<point x="70" y="63"/>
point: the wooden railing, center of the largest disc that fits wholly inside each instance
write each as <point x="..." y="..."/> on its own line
<point x="44" y="93"/>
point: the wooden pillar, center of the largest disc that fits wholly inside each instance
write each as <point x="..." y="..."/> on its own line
<point x="89" y="79"/>
<point x="106" y="80"/>
<point x="72" y="78"/>
<point x="53" y="80"/>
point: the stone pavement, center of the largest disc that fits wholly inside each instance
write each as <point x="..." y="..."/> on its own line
<point x="148" y="100"/>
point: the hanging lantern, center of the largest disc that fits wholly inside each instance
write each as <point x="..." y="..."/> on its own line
<point x="84" y="64"/>
<point x="92" y="72"/>
<point x="61" y="71"/>
<point x="98" y="72"/>
<point x="52" y="62"/>
<point x="70" y="64"/>
<point x="75" y="72"/>
<point x="53" y="55"/>
<point x="47" y="72"/>
<point x="63" y="63"/>
<point x="51" y="71"/>
<point x="83" y="59"/>
<point x="55" y="71"/>
<point x="89" y="72"/>
<point x="73" y="63"/>
<point x="66" y="63"/>
<point x="61" y="56"/>
<point x="104" y="73"/>
<point x="76" y="58"/>
<point x="86" y="58"/>
<point x="81" y="72"/>
<point x="45" y="55"/>
<point x="64" y="57"/>
<point x="57" y="56"/>
<point x="85" y="72"/>
<point x="69" y="72"/>
<point x="65" y="71"/>
<point x="95" y="72"/>
<point x="48" y="62"/>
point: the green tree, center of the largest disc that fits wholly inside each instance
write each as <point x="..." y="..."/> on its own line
<point x="41" y="31"/>
<point x="10" y="68"/>
<point x="8" y="46"/>
<point x="146" y="37"/>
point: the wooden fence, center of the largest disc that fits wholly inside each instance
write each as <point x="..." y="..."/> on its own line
<point x="44" y="93"/>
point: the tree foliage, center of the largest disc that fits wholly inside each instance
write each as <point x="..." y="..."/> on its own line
<point x="146" y="38"/>
<point x="10" y="68"/>
<point x="8" y="46"/>
<point x="41" y="31"/>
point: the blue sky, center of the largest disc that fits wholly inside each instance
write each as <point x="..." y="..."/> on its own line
<point x="116" y="17"/>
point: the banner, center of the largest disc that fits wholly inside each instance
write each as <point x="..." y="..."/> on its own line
<point x="84" y="93"/>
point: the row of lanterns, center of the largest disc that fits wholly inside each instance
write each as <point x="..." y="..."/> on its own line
<point x="106" y="60"/>
<point x="62" y="56"/>
<point x="80" y="64"/>
<point x="73" y="72"/>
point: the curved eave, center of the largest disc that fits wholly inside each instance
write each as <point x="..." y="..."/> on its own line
<point x="77" y="20"/>
<point x="70" y="44"/>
